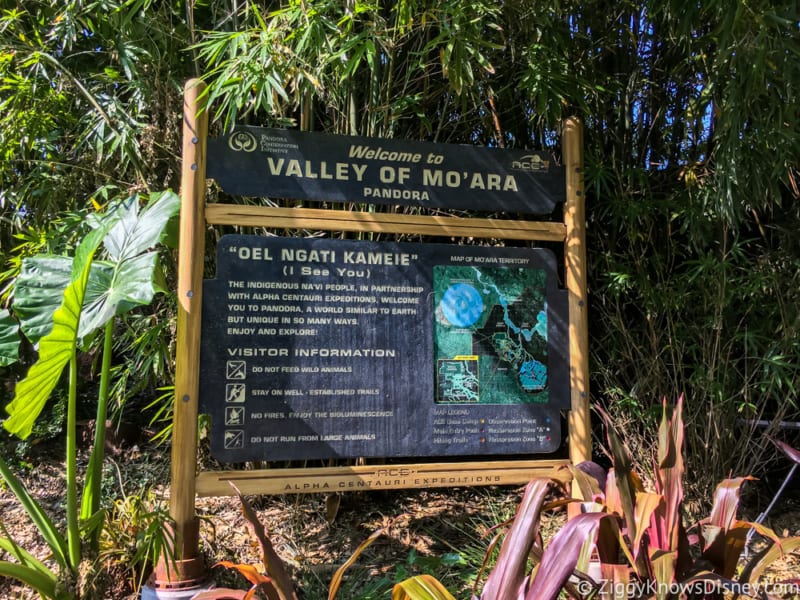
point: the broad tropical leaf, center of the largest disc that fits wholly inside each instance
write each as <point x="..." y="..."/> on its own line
<point x="9" y="339"/>
<point x="137" y="232"/>
<point x="56" y="348"/>
<point x="126" y="280"/>
<point x="38" y="292"/>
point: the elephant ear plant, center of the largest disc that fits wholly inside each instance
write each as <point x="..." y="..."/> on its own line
<point x="59" y="302"/>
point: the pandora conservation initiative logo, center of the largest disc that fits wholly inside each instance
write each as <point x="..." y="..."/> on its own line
<point x="242" y="141"/>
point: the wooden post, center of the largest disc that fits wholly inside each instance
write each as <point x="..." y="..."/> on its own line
<point x="188" y="568"/>
<point x="580" y="430"/>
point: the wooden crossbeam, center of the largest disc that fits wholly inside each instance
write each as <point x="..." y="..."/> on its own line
<point x="379" y="477"/>
<point x="338" y="220"/>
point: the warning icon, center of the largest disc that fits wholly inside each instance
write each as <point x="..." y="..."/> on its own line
<point x="236" y="369"/>
<point x="234" y="415"/>
<point x="234" y="439"/>
<point x="235" y="392"/>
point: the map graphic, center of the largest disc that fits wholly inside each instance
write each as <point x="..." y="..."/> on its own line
<point x="490" y="335"/>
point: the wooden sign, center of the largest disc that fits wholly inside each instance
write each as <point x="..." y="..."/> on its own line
<point x="451" y="326"/>
<point x="283" y="163"/>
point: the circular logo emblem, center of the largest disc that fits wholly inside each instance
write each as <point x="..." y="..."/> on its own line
<point x="242" y="141"/>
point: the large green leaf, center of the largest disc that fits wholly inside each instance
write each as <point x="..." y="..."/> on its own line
<point x="137" y="232"/>
<point x="9" y="339"/>
<point x="115" y="289"/>
<point x="115" y="286"/>
<point x="56" y="348"/>
<point x="128" y="279"/>
<point x="38" y="292"/>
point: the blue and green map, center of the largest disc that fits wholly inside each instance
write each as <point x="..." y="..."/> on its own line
<point x="490" y="335"/>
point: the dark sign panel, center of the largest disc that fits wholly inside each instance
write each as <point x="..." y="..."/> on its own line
<point x="284" y="163"/>
<point x="318" y="348"/>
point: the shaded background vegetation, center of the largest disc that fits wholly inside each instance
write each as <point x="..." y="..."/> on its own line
<point x="691" y="139"/>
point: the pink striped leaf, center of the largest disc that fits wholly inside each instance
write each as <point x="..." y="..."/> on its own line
<point x="561" y="556"/>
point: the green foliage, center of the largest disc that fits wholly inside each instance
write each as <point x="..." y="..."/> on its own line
<point x="29" y="569"/>
<point x="134" y="536"/>
<point x="113" y="286"/>
<point x="9" y="339"/>
<point x="57" y="347"/>
<point x="691" y="167"/>
<point x="123" y="281"/>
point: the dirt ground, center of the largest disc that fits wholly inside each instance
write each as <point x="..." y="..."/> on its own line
<point x="428" y="530"/>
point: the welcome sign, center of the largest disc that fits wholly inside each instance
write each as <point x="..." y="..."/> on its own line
<point x="282" y="163"/>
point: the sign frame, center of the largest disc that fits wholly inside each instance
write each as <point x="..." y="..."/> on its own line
<point x="187" y="484"/>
